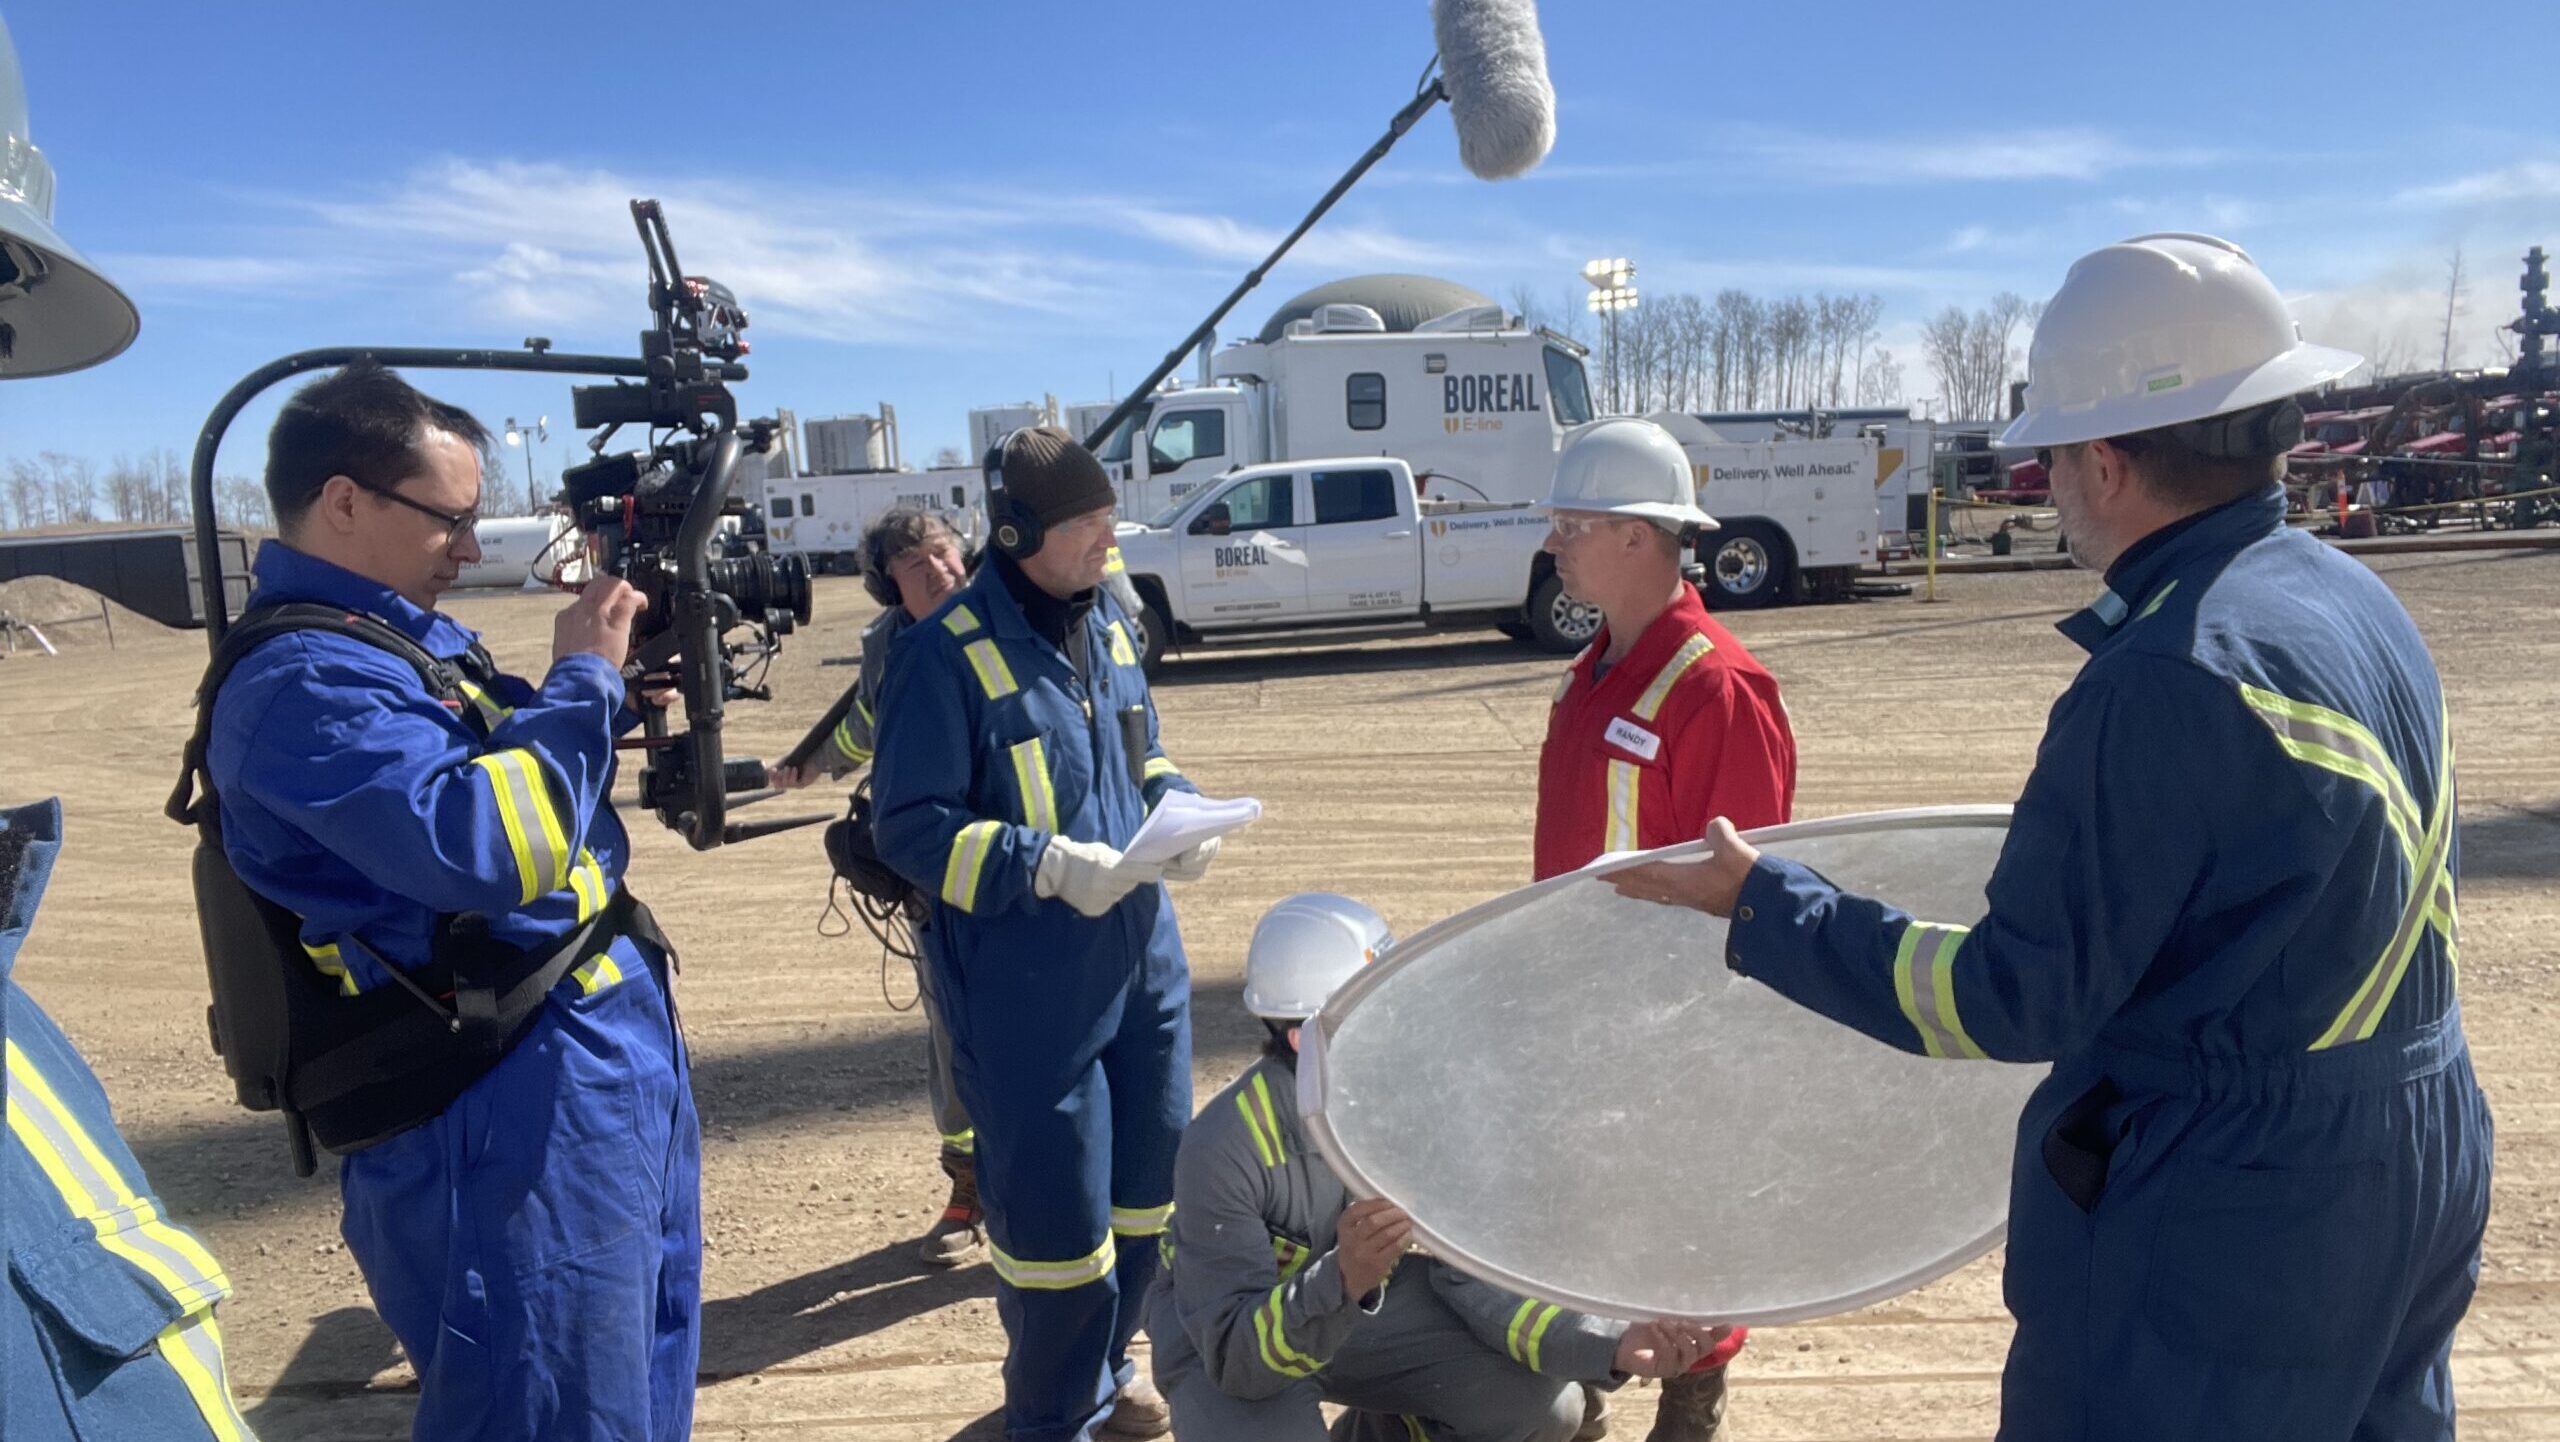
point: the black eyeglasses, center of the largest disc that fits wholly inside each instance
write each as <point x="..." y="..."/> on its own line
<point x="454" y="525"/>
<point x="2044" y="458"/>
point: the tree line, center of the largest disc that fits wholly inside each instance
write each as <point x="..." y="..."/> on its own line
<point x="1741" y="352"/>
<point x="53" y="488"/>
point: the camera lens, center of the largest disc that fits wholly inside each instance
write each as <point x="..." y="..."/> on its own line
<point x="764" y="583"/>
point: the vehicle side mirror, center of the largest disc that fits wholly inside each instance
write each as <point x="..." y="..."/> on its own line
<point x="1217" y="520"/>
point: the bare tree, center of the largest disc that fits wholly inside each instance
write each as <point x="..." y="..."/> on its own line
<point x="1972" y="356"/>
<point x="1879" y="379"/>
<point x="28" y="494"/>
<point x="2452" y="307"/>
<point x="948" y="457"/>
<point x="173" y="476"/>
<point x="243" y="501"/>
<point x="74" y="484"/>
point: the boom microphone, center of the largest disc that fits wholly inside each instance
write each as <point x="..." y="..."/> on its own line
<point x="1494" y="67"/>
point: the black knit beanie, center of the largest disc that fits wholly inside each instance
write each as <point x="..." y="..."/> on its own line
<point x="1053" y="477"/>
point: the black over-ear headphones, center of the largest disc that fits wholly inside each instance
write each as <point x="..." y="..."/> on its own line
<point x="1011" y="526"/>
<point x="875" y="568"/>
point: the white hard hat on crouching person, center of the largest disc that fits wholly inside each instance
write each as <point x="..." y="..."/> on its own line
<point x="2164" y="330"/>
<point x="1304" y="948"/>
<point x="57" y="313"/>
<point x="1628" y="467"/>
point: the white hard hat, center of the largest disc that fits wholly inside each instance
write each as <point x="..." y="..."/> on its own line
<point x="2158" y="331"/>
<point x="1306" y="946"/>
<point x="56" y="313"/>
<point x="1628" y="467"/>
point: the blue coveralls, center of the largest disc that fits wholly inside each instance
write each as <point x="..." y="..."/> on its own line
<point x="537" y="1247"/>
<point x="1071" y="1037"/>
<point x="106" y="1327"/>
<point x="2248" y="1202"/>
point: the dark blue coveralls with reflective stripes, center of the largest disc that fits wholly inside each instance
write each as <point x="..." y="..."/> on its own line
<point x="2249" y="1201"/>
<point x="537" y="1246"/>
<point x="107" y="1322"/>
<point x="1071" y="1036"/>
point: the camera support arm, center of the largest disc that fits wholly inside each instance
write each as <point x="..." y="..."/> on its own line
<point x="217" y="612"/>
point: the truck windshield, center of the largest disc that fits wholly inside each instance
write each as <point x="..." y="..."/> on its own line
<point x="1115" y="446"/>
<point x="1568" y="389"/>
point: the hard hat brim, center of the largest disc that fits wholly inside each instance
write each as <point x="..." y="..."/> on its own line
<point x="73" y="319"/>
<point x="2300" y="369"/>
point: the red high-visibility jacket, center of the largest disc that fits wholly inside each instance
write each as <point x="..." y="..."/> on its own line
<point x="1685" y="729"/>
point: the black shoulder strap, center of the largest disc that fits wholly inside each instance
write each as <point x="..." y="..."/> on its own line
<point x="442" y="679"/>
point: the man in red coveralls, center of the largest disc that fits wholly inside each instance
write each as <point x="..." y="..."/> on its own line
<point x="1663" y="723"/>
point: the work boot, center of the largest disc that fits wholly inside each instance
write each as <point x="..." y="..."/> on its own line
<point x="1692" y="1408"/>
<point x="1595" y="1415"/>
<point x="961" y="1232"/>
<point x="1139" y="1411"/>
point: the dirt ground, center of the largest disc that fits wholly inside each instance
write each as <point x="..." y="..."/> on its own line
<point x="1400" y="772"/>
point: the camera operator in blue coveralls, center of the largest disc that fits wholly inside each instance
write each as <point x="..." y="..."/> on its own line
<point x="1018" y="754"/>
<point x="2248" y="1202"/>
<point x="536" y="1244"/>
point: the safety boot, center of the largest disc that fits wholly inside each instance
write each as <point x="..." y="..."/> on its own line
<point x="1692" y="1408"/>
<point x="1140" y="1411"/>
<point x="961" y="1232"/>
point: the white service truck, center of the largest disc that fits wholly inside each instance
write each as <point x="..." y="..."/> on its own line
<point x="1341" y="548"/>
<point x="1477" y="404"/>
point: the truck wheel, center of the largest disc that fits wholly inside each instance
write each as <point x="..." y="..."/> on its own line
<point x="1156" y="628"/>
<point x="1748" y="565"/>
<point x="1557" y="622"/>
<point x="1516" y="630"/>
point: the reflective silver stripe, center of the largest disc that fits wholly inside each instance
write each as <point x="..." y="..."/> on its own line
<point x="1924" y="982"/>
<point x="2382" y="981"/>
<point x="193" y="1349"/>
<point x="995" y="678"/>
<point x="968" y="861"/>
<point x="1681" y="660"/>
<point x="961" y="621"/>
<point x="1056" y="1276"/>
<point x="2337" y="743"/>
<point x="1626" y="792"/>
<point x="1031" y="779"/>
<point x="93" y="1191"/>
<point x="1141" y="1221"/>
<point x="541" y="854"/>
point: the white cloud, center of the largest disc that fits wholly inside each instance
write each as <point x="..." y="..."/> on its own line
<point x="2528" y="180"/>
<point x="553" y="245"/>
<point x="2024" y="154"/>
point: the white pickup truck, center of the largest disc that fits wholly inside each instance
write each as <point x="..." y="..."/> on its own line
<point x="1303" y="549"/>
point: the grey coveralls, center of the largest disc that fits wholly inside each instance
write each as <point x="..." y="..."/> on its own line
<point x="856" y="738"/>
<point x="1252" y="1330"/>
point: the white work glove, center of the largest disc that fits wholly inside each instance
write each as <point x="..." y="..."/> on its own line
<point x="1088" y="875"/>
<point x="1193" y="864"/>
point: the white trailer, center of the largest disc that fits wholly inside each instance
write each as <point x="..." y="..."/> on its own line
<point x="1787" y="511"/>
<point x="511" y="547"/>
<point x="822" y="518"/>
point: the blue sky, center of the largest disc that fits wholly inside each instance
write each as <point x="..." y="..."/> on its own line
<point x="952" y="204"/>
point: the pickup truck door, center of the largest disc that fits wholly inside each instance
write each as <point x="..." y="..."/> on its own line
<point x="1256" y="570"/>
<point x="1363" y="557"/>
